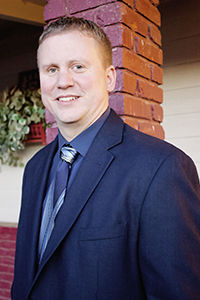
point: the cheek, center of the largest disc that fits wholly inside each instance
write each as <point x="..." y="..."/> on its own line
<point x="46" y="85"/>
<point x="92" y="85"/>
<point x="45" y="92"/>
<point x="85" y="82"/>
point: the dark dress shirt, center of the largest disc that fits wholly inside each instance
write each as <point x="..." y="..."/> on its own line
<point x="81" y="143"/>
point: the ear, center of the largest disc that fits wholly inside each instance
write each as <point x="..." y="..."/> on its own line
<point x="111" y="78"/>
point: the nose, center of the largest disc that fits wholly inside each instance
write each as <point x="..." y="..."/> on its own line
<point x="65" y="79"/>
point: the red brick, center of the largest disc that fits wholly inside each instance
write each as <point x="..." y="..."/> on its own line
<point x="134" y="20"/>
<point x="150" y="90"/>
<point x="128" y="38"/>
<point x="6" y="277"/>
<point x="137" y="107"/>
<point x="103" y="12"/>
<point x="5" y="285"/>
<point x="127" y="15"/>
<point x="147" y="127"/>
<point x="6" y="263"/>
<point x="51" y="134"/>
<point x="7" y="252"/>
<point x="7" y="244"/>
<point x="126" y="82"/>
<point x="6" y="260"/>
<point x="159" y="132"/>
<point x="148" y="10"/>
<point x="78" y="6"/>
<point x="129" y="2"/>
<point x="91" y="15"/>
<point x="123" y="58"/>
<point x="157" y="112"/>
<point x="128" y="105"/>
<point x="4" y="294"/>
<point x="114" y="33"/>
<point x="151" y="128"/>
<point x="117" y="12"/>
<point x="132" y="106"/>
<point x="7" y="269"/>
<point x="147" y="49"/>
<point x="104" y="15"/>
<point x="55" y="9"/>
<point x="118" y="57"/>
<point x="120" y="35"/>
<point x="155" y="34"/>
<point x="136" y="64"/>
<point x="130" y="83"/>
<point x="116" y="101"/>
<point x="8" y="230"/>
<point x="133" y="122"/>
<point x="156" y="74"/>
<point x="8" y="237"/>
<point x="140" y="24"/>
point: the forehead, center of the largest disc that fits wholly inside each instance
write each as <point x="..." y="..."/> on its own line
<point x="69" y="36"/>
<point x="69" y="39"/>
<point x="69" y="43"/>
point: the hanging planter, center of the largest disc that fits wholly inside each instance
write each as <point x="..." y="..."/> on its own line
<point x="20" y="111"/>
<point x="36" y="134"/>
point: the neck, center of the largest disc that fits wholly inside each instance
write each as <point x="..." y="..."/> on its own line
<point x="71" y="130"/>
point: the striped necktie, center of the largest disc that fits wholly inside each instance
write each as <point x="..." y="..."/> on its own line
<point x="68" y="155"/>
<point x="55" y="196"/>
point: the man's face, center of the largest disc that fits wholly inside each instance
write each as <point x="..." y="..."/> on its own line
<point x="74" y="81"/>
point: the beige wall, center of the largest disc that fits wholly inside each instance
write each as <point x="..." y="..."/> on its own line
<point x="181" y="79"/>
<point x="10" y="186"/>
<point x="182" y="108"/>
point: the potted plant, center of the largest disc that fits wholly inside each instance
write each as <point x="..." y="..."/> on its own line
<point x="18" y="110"/>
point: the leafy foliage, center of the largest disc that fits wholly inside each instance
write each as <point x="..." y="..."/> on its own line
<point x="18" y="109"/>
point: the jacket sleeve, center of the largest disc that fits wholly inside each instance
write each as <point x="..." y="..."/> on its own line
<point x="169" y="240"/>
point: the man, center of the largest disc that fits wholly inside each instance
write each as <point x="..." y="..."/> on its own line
<point x="128" y="225"/>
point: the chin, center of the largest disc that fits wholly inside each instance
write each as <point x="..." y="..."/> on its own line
<point x="66" y="121"/>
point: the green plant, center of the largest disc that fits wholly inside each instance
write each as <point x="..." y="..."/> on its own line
<point x="18" y="109"/>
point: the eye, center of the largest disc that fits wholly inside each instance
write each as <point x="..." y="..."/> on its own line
<point x="52" y="70"/>
<point x="78" y="67"/>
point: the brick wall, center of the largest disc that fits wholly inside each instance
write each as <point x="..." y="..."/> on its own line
<point x="133" y="28"/>
<point x="7" y="251"/>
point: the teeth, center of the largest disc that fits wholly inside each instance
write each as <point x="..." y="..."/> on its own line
<point x="67" y="99"/>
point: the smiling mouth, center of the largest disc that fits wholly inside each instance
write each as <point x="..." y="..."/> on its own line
<point x="67" y="99"/>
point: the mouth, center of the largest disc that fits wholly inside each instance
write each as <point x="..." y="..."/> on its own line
<point x="67" y="99"/>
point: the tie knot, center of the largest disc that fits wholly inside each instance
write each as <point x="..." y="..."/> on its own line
<point x="68" y="154"/>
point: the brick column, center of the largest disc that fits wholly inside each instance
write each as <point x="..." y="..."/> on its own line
<point x="133" y="28"/>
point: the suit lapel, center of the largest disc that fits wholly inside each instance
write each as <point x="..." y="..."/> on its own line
<point x="95" y="164"/>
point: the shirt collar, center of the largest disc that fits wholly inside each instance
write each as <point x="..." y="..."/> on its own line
<point x="83" y="141"/>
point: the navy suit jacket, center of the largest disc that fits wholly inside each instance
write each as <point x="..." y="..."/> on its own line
<point x="129" y="227"/>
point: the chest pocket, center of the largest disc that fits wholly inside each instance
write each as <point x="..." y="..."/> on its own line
<point x="102" y="233"/>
